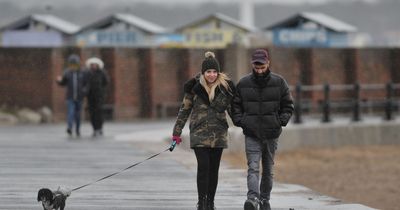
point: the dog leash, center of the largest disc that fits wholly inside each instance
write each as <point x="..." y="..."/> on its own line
<point x="171" y="148"/>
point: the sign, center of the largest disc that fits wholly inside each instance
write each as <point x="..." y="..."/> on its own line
<point x="32" y="39"/>
<point x="293" y="37"/>
<point x="110" y="38"/>
<point x="168" y="40"/>
<point x="211" y="38"/>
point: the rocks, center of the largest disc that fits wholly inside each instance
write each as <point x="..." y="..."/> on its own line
<point x="25" y="115"/>
<point x="46" y="114"/>
<point x="7" y="119"/>
<point x="28" y="116"/>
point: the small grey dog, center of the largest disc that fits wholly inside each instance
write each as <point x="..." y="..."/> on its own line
<point x="53" y="200"/>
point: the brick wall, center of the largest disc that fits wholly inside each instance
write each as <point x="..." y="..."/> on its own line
<point x="126" y="84"/>
<point x="374" y="68"/>
<point x="148" y="82"/>
<point x="329" y="67"/>
<point x="25" y="77"/>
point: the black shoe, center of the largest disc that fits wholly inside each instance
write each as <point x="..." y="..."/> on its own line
<point x="251" y="204"/>
<point x="78" y="134"/>
<point x="211" y="207"/>
<point x="202" y="204"/>
<point x="264" y="205"/>
<point x="69" y="132"/>
<point x="97" y="133"/>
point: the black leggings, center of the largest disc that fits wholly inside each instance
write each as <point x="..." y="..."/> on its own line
<point x="208" y="160"/>
<point x="96" y="112"/>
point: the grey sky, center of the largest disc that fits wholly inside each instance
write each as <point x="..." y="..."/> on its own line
<point x="373" y="16"/>
<point x="29" y="3"/>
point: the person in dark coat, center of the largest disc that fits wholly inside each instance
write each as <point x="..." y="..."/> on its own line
<point x="206" y="99"/>
<point x="75" y="81"/>
<point x="98" y="81"/>
<point x="261" y="107"/>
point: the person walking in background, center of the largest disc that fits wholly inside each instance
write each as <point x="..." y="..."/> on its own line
<point x="206" y="97"/>
<point x="261" y="106"/>
<point x="75" y="83"/>
<point x="97" y="80"/>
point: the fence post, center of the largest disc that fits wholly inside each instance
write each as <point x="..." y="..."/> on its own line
<point x="388" y="103"/>
<point x="326" y="104"/>
<point x="297" y="107"/>
<point x="356" y="102"/>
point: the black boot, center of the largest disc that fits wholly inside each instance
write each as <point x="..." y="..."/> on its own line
<point x="202" y="204"/>
<point x="210" y="204"/>
<point x="264" y="204"/>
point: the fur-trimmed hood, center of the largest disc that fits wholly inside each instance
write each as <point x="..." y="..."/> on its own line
<point x="94" y="60"/>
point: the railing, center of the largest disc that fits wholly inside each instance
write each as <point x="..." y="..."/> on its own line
<point x="348" y="99"/>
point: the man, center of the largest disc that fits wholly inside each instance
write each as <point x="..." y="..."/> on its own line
<point x="261" y="106"/>
<point x="98" y="80"/>
<point x="76" y="88"/>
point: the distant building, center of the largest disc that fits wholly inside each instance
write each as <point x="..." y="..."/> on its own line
<point x="124" y="30"/>
<point x="38" y="30"/>
<point x="391" y="38"/>
<point x="214" y="31"/>
<point x="310" y="29"/>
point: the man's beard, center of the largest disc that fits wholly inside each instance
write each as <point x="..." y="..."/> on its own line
<point x="261" y="78"/>
<point x="260" y="75"/>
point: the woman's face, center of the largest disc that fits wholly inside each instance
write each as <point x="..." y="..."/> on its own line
<point x="211" y="76"/>
<point x="94" y="66"/>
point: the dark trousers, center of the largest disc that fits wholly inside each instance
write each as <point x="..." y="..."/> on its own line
<point x="208" y="160"/>
<point x="96" y="112"/>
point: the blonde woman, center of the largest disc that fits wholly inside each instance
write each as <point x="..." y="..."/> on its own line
<point x="206" y="97"/>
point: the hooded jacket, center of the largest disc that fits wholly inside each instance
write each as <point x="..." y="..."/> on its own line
<point x="262" y="105"/>
<point x="208" y="125"/>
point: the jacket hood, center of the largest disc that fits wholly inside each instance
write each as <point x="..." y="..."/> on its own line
<point x="94" y="60"/>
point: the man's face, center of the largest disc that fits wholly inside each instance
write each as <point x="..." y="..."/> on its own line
<point x="73" y="66"/>
<point x="260" y="68"/>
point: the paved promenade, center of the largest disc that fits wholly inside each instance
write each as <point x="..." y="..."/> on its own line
<point x="33" y="157"/>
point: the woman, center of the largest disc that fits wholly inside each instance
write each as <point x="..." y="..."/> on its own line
<point x="206" y="98"/>
<point x="98" y="81"/>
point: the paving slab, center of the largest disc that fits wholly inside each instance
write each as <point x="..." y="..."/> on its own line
<point x="33" y="157"/>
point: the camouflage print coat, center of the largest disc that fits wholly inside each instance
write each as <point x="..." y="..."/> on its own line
<point x="208" y="126"/>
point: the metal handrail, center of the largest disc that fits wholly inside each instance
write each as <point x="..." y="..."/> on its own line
<point x="353" y="100"/>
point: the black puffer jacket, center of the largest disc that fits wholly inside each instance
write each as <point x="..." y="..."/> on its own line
<point x="98" y="80"/>
<point x="262" y="106"/>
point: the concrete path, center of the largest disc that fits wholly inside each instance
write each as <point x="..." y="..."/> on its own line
<point x="33" y="157"/>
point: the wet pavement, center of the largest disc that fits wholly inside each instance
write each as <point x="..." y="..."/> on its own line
<point x="33" y="157"/>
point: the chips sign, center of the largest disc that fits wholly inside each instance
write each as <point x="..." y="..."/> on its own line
<point x="292" y="37"/>
<point x="211" y="38"/>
